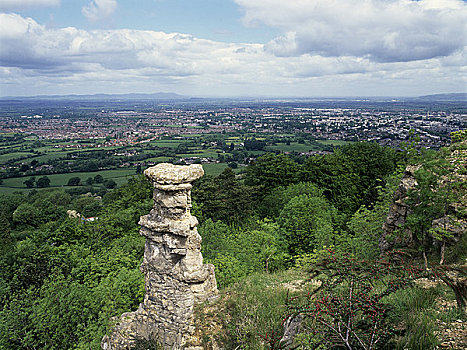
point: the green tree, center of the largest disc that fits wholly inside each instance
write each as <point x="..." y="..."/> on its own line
<point x="270" y="171"/>
<point x="42" y="182"/>
<point x="351" y="175"/>
<point x="365" y="228"/>
<point x="27" y="215"/>
<point x="306" y="223"/>
<point x="274" y="202"/>
<point x="109" y="183"/>
<point x="87" y="205"/>
<point x="436" y="189"/>
<point x="74" y="181"/>
<point x="98" y="179"/>
<point x="30" y="182"/>
<point x="239" y="251"/>
<point x="224" y="197"/>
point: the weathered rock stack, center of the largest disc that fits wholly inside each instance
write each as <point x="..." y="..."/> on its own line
<point x="175" y="277"/>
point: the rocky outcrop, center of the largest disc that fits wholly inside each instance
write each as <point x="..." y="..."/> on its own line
<point x="175" y="277"/>
<point x="397" y="215"/>
<point x="454" y="222"/>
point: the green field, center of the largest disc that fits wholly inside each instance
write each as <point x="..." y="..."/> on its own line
<point x="6" y="157"/>
<point x="334" y="142"/>
<point x="293" y="147"/>
<point x="200" y="154"/>
<point x="168" y="143"/>
<point x="51" y="155"/>
<point x="159" y="159"/>
<point x="120" y="176"/>
<point x="214" y="169"/>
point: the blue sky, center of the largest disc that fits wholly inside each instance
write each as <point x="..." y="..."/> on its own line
<point x="233" y="48"/>
<point x="209" y="19"/>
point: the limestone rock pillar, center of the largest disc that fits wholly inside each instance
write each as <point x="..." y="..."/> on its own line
<point x="175" y="277"/>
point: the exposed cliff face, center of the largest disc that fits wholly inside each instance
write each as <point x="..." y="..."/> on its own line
<point x="175" y="277"/>
<point x="397" y="215"/>
<point x="454" y="220"/>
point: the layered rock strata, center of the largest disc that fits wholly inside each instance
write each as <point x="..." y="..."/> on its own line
<point x="454" y="222"/>
<point x="175" y="277"/>
<point x="398" y="212"/>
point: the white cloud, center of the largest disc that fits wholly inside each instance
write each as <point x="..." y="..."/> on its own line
<point x="37" y="59"/>
<point x="382" y="30"/>
<point x="99" y="9"/>
<point x="14" y="5"/>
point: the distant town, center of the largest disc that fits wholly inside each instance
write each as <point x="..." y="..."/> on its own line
<point x="60" y="137"/>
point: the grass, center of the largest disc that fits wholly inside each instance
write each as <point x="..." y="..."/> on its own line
<point x="168" y="143"/>
<point x="334" y="142"/>
<point x="120" y="176"/>
<point x="413" y="310"/>
<point x="200" y="154"/>
<point x="159" y="159"/>
<point x="214" y="169"/>
<point x="6" y="157"/>
<point x="250" y="310"/>
<point x="51" y="156"/>
<point x="293" y="147"/>
<point x="246" y="311"/>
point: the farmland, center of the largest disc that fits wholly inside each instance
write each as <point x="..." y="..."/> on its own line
<point x="63" y="140"/>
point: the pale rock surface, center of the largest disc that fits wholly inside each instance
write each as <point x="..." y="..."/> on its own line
<point x="73" y="214"/>
<point x="398" y="212"/>
<point x="455" y="223"/>
<point x="175" y="277"/>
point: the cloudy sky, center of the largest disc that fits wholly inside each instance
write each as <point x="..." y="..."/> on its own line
<point x="233" y="47"/>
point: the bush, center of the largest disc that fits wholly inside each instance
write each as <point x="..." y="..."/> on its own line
<point x="350" y="308"/>
<point x="110" y="183"/>
<point x="74" y="181"/>
<point x="306" y="223"/>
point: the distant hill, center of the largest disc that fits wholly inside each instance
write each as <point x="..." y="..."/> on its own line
<point x="460" y="96"/>
<point x="101" y="97"/>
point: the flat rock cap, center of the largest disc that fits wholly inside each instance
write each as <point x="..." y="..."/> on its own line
<point x="169" y="174"/>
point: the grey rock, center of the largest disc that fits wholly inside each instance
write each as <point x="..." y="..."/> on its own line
<point x="169" y="174"/>
<point x="291" y="328"/>
<point x="175" y="277"/>
<point x="398" y="212"/>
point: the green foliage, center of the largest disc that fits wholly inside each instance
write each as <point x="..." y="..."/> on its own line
<point x="458" y="136"/>
<point x="306" y="223"/>
<point x="365" y="228"/>
<point x="410" y="148"/>
<point x="41" y="207"/>
<point x="237" y="252"/>
<point x="43" y="181"/>
<point x="109" y="183"/>
<point x="351" y="176"/>
<point x="270" y="171"/>
<point x="274" y="202"/>
<point x="254" y="310"/>
<point x="350" y="309"/>
<point x="62" y="281"/>
<point x="74" y="181"/>
<point x="30" y="182"/>
<point x="223" y="198"/>
<point x="436" y="189"/>
<point x="98" y="179"/>
<point x="86" y="205"/>
<point x="413" y="308"/>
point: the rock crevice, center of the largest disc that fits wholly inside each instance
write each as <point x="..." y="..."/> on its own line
<point x="175" y="277"/>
